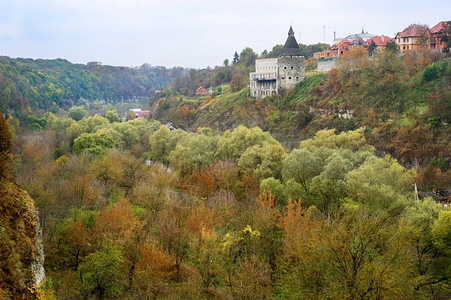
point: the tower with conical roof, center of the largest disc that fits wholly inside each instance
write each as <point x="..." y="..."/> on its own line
<point x="291" y="47"/>
<point x="276" y="75"/>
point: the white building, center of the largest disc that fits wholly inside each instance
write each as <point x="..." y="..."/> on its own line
<point x="274" y="75"/>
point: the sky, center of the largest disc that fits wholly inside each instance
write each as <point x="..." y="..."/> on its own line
<point x="196" y="33"/>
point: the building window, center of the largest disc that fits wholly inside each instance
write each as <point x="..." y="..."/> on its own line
<point x="283" y="77"/>
<point x="289" y="77"/>
<point x="285" y="68"/>
<point x="297" y="77"/>
<point x="291" y="67"/>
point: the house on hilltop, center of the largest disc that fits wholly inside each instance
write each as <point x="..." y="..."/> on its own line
<point x="435" y="42"/>
<point x="412" y="38"/>
<point x="94" y="63"/>
<point x="380" y="41"/>
<point x="273" y="75"/>
<point x="201" y="91"/>
<point x="357" y="36"/>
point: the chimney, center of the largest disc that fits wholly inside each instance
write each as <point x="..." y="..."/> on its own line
<point x="382" y="38"/>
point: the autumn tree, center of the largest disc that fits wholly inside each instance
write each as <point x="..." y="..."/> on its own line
<point x="5" y="146"/>
<point x="237" y="82"/>
<point x="351" y="65"/>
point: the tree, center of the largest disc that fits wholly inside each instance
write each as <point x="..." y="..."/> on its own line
<point x="94" y="143"/>
<point x="262" y="161"/>
<point x="352" y="140"/>
<point x="371" y="48"/>
<point x="92" y="124"/>
<point x="101" y="272"/>
<point x="5" y="146"/>
<point x="248" y="57"/>
<point x="428" y="259"/>
<point x="302" y="165"/>
<point x="445" y="35"/>
<point x="391" y="46"/>
<point x="252" y="280"/>
<point x="237" y="82"/>
<point x="113" y="116"/>
<point x="232" y="144"/>
<point x="193" y="152"/>
<point x="77" y="113"/>
<point x="236" y="58"/>
<point x="381" y="184"/>
<point x="226" y="62"/>
<point x="159" y="142"/>
<point x="351" y="64"/>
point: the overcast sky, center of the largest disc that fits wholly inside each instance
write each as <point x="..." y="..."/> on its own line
<point x="197" y="33"/>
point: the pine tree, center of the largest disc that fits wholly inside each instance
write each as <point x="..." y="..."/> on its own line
<point x="371" y="48"/>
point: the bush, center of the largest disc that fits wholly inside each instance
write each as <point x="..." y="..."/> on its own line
<point x="430" y="73"/>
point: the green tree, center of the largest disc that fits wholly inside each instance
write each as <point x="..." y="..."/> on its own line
<point x="113" y="116"/>
<point x="371" y="48"/>
<point x="128" y="134"/>
<point x="445" y="35"/>
<point x="302" y="165"/>
<point x="352" y="140"/>
<point x="391" y="46"/>
<point x="77" y="113"/>
<point x="102" y="274"/>
<point x="248" y="57"/>
<point x="381" y="184"/>
<point x="429" y="261"/>
<point x="94" y="143"/>
<point x="236" y="58"/>
<point x="262" y="161"/>
<point x="233" y="143"/>
<point x="193" y="152"/>
<point x="92" y="124"/>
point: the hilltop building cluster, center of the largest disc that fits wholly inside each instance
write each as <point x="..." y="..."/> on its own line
<point x="273" y="75"/>
<point x="411" y="38"/>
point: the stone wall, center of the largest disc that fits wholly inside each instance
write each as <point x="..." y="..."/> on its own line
<point x="291" y="71"/>
<point x="325" y="66"/>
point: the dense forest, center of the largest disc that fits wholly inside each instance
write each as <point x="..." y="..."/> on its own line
<point x="230" y="215"/>
<point x="27" y="84"/>
<point x="306" y="195"/>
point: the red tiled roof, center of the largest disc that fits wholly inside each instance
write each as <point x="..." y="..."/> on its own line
<point x="438" y="27"/>
<point x="380" y="40"/>
<point x="341" y="43"/>
<point x="412" y="30"/>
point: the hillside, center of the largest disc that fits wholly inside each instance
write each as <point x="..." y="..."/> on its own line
<point x="308" y="194"/>
<point x="18" y="229"/>
<point x="27" y="84"/>
<point x="401" y="101"/>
